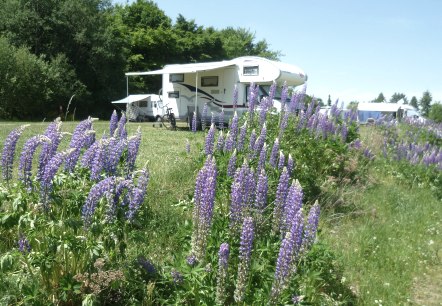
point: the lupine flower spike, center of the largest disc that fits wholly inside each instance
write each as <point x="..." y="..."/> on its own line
<point x="9" y="151"/>
<point x="221" y="282"/>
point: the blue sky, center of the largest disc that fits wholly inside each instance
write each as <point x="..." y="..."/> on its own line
<point x="350" y="49"/>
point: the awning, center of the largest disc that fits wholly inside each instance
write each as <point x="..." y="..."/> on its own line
<point x="185" y="68"/>
<point x="131" y="99"/>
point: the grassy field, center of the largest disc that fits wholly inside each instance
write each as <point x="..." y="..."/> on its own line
<point x="385" y="233"/>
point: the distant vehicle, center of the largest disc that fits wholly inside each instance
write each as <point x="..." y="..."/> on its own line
<point x="372" y="111"/>
<point x="187" y="87"/>
<point x="148" y="107"/>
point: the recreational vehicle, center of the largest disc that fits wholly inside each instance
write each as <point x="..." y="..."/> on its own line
<point x="186" y="88"/>
<point x="370" y="112"/>
<point x="146" y="107"/>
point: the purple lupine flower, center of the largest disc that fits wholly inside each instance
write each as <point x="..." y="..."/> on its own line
<point x="238" y="195"/>
<point x="252" y="140"/>
<point x="210" y="138"/>
<point x="203" y="116"/>
<point x="234" y="127"/>
<point x="250" y="186"/>
<point x="113" y="124"/>
<point x="283" y="267"/>
<point x="191" y="260"/>
<point x="203" y="210"/>
<point x="264" y="108"/>
<point x="281" y="194"/>
<point x="261" y="191"/>
<point x="9" y="151"/>
<point x="261" y="139"/>
<point x="242" y="137"/>
<point x="78" y="141"/>
<point x="88" y="156"/>
<point x="147" y="265"/>
<point x="220" y="141"/>
<point x="48" y="150"/>
<point x="262" y="158"/>
<point x="228" y="143"/>
<point x="187" y="146"/>
<point x="344" y="132"/>
<point x="235" y="97"/>
<point x="177" y="277"/>
<point x="102" y="188"/>
<point x="49" y="172"/>
<point x="311" y="227"/>
<point x="194" y="122"/>
<point x="26" y="157"/>
<point x="281" y="161"/>
<point x="274" y="154"/>
<point x="290" y="165"/>
<point x="232" y="165"/>
<point x="293" y="204"/>
<point x="24" y="245"/>
<point x="221" y="282"/>
<point x="245" y="252"/>
<point x="221" y="119"/>
<point x="122" y="132"/>
<point x="97" y="164"/>
<point x="253" y="96"/>
<point x="284" y="121"/>
<point x="114" y="150"/>
<point x="272" y="92"/>
<point x="113" y="198"/>
<point x="137" y="194"/>
<point x="133" y="145"/>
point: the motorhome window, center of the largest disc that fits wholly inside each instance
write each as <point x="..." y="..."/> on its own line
<point x="173" y="94"/>
<point x="211" y="81"/>
<point x="251" y="70"/>
<point x="142" y="103"/>
<point x="176" y="77"/>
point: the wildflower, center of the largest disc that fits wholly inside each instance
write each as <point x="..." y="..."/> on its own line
<point x="232" y="165"/>
<point x="290" y="165"/>
<point x="81" y="138"/>
<point x="203" y="210"/>
<point x="274" y="154"/>
<point x="133" y="146"/>
<point x="239" y="195"/>
<point x="191" y="260"/>
<point x="49" y="148"/>
<point x="122" y="132"/>
<point x="221" y="119"/>
<point x="235" y="97"/>
<point x="234" y="127"/>
<point x="9" y="151"/>
<point x="292" y="205"/>
<point x="262" y="158"/>
<point x="261" y="191"/>
<point x="97" y="163"/>
<point x="281" y="161"/>
<point x="210" y="138"/>
<point x="281" y="194"/>
<point x="147" y="265"/>
<point x="113" y="123"/>
<point x="296" y="299"/>
<point x="344" y="132"/>
<point x="283" y="266"/>
<point x="245" y="252"/>
<point x="311" y="227"/>
<point x="23" y="245"/>
<point x="284" y="121"/>
<point x="242" y="136"/>
<point x="194" y="122"/>
<point x="228" y="145"/>
<point x="220" y="142"/>
<point x="261" y="139"/>
<point x="137" y="193"/>
<point x="177" y="277"/>
<point x="114" y="150"/>
<point x="203" y="117"/>
<point x="253" y="96"/>
<point x="26" y="157"/>
<point x="49" y="172"/>
<point x="221" y="282"/>
<point x="252" y="140"/>
<point x="102" y="188"/>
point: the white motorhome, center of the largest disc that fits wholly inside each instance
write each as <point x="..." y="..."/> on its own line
<point x="142" y="107"/>
<point x="372" y="111"/>
<point x="187" y="87"/>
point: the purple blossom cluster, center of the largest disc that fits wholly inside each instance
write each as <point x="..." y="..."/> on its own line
<point x="221" y="282"/>
<point x="8" y="152"/>
<point x="26" y="158"/>
<point x="242" y="194"/>
<point x="210" y="139"/>
<point x="280" y="198"/>
<point x="113" y="124"/>
<point x="245" y="252"/>
<point x="311" y="227"/>
<point x="48" y="149"/>
<point x="203" y="116"/>
<point x="204" y="198"/>
<point x="194" y="122"/>
<point x="274" y="154"/>
<point x="23" y="245"/>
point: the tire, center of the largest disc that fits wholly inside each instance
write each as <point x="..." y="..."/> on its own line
<point x="172" y="122"/>
<point x="165" y="121"/>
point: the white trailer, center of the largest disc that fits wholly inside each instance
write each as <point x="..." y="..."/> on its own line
<point x="142" y="107"/>
<point x="187" y="87"/>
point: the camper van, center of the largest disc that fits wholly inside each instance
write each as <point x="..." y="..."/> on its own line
<point x="148" y="107"/>
<point x="186" y="88"/>
<point x="371" y="111"/>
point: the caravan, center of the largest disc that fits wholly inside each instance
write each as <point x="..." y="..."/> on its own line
<point x="188" y="87"/>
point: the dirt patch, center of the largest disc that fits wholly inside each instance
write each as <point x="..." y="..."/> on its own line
<point x="427" y="288"/>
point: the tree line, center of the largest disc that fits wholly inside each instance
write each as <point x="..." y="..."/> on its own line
<point x="56" y="51"/>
